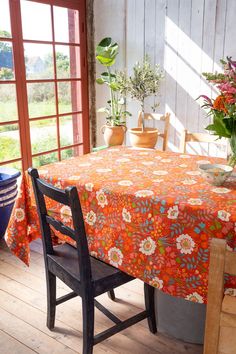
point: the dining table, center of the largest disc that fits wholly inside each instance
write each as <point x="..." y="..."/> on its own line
<point x="150" y="213"/>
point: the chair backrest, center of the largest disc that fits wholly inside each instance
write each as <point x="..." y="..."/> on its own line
<point x="158" y="117"/>
<point x="70" y="198"/>
<point x="198" y="137"/>
<point x="221" y="261"/>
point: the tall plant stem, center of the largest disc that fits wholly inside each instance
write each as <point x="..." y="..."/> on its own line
<point x="142" y="108"/>
<point x="111" y="96"/>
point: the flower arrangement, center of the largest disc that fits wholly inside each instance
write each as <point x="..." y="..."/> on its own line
<point x="223" y="107"/>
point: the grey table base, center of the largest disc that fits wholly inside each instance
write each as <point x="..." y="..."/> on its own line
<point x="179" y="318"/>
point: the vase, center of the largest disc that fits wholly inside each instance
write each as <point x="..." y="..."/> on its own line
<point x="232" y="150"/>
<point x="113" y="135"/>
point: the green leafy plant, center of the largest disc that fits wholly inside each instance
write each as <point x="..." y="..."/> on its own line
<point x="144" y="82"/>
<point x="222" y="109"/>
<point x="106" y="53"/>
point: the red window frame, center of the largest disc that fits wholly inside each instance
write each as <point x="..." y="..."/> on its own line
<point x="21" y="82"/>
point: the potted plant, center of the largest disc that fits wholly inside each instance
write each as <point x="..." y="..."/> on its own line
<point x="222" y="109"/>
<point x="144" y="82"/>
<point x="115" y="127"/>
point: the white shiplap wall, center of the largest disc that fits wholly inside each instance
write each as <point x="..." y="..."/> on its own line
<point x="187" y="37"/>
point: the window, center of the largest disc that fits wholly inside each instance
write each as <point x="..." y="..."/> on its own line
<point x="43" y="82"/>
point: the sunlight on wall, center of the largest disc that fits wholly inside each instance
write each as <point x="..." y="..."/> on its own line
<point x="185" y="61"/>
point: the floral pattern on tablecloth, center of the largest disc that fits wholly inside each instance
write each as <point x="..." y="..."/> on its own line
<point x="149" y="213"/>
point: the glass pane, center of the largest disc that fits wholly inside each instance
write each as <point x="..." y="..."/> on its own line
<point x="71" y="130"/>
<point x="39" y="61"/>
<point x="43" y="134"/>
<point x="66" y="25"/>
<point x="68" y="61"/>
<point x="17" y="165"/>
<point x="41" y="99"/>
<point x="9" y="142"/>
<point x="36" y="21"/>
<point x="6" y="61"/>
<point x="45" y="159"/>
<point x="8" y="106"/>
<point x="5" y="23"/>
<point x="68" y="102"/>
<point x="75" y="151"/>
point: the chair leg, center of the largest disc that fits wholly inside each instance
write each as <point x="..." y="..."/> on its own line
<point x="51" y="299"/>
<point x="111" y="295"/>
<point x="149" y="292"/>
<point x="88" y="324"/>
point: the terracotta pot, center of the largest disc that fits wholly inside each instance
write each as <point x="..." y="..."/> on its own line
<point x="113" y="135"/>
<point x="145" y="139"/>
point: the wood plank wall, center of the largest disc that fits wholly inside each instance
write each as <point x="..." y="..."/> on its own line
<point x="186" y="37"/>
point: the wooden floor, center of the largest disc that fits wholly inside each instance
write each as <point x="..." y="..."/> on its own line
<point x="23" y="315"/>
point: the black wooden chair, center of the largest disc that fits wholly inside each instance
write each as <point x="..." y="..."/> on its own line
<point x="87" y="276"/>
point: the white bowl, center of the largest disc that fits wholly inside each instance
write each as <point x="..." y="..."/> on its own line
<point x="215" y="174"/>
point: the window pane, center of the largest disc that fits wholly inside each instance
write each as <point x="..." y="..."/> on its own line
<point x="41" y="99"/>
<point x="68" y="61"/>
<point x="66" y="25"/>
<point x="17" y="165"/>
<point x="68" y="102"/>
<point x="43" y="134"/>
<point x="75" y="151"/>
<point x="5" y="24"/>
<point x="36" y="21"/>
<point x="8" y="106"/>
<point x="6" y="61"/>
<point x="39" y="61"/>
<point x="45" y="159"/>
<point x="9" y="142"/>
<point x="71" y="130"/>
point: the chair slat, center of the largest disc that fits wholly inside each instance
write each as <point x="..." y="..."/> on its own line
<point x="59" y="226"/>
<point x="52" y="192"/>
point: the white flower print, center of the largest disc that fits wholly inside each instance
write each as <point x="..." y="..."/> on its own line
<point x="157" y="180"/>
<point x="94" y="254"/>
<point x="220" y="190"/>
<point x="230" y="291"/>
<point x="157" y="283"/>
<point x="115" y="256"/>
<point x="147" y="246"/>
<point x="103" y="170"/>
<point x="19" y="214"/>
<point x="184" y="156"/>
<point x="43" y="172"/>
<point x="223" y="215"/>
<point x="123" y="159"/>
<point x="96" y="158"/>
<point x="160" y="173"/>
<point x="144" y="193"/>
<point x="126" y="215"/>
<point x="183" y="165"/>
<point x="173" y="212"/>
<point x="135" y="170"/>
<point x="89" y="186"/>
<point x="200" y="162"/>
<point x="166" y="160"/>
<point x="101" y="198"/>
<point x="74" y="178"/>
<point x="143" y="153"/>
<point x="90" y="218"/>
<point x="193" y="173"/>
<point x="194" y="201"/>
<point x="113" y="149"/>
<point x="195" y="297"/>
<point x="58" y="185"/>
<point x="147" y="163"/>
<point x="185" y="244"/>
<point x="85" y="164"/>
<point x="229" y="248"/>
<point x="189" y="182"/>
<point x="65" y="213"/>
<point x="125" y="183"/>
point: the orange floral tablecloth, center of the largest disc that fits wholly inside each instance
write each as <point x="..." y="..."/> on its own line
<point x="149" y="213"/>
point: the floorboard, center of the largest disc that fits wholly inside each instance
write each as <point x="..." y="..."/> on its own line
<point x="23" y="315"/>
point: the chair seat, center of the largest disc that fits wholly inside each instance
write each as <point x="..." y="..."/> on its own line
<point x="104" y="276"/>
<point x="229" y="304"/>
